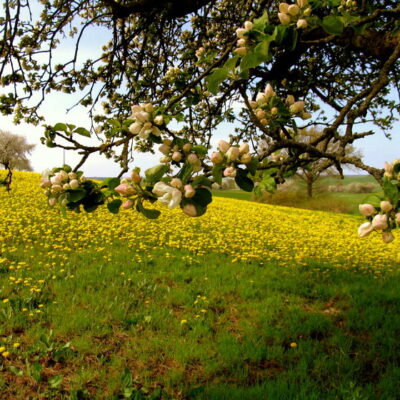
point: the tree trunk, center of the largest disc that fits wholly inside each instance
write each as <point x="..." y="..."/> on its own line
<point x="310" y="188"/>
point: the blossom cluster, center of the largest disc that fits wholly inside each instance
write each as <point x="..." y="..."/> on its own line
<point x="57" y="183"/>
<point x="231" y="156"/>
<point x="180" y="152"/>
<point x="266" y="109"/>
<point x="289" y="13"/>
<point x="386" y="217"/>
<point x="243" y="39"/>
<point x="145" y="121"/>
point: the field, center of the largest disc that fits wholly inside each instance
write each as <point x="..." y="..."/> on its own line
<point x="323" y="200"/>
<point x="250" y="301"/>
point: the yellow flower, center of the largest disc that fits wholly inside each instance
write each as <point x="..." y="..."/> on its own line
<point x="293" y="345"/>
<point x="6" y="300"/>
<point x="5" y="354"/>
<point x="184" y="321"/>
<point x="2" y="348"/>
<point x="16" y="345"/>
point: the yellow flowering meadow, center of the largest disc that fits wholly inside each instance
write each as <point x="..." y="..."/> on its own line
<point x="242" y="230"/>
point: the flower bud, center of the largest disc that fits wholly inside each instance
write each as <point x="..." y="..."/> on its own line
<point x="189" y="191"/>
<point x="248" y="25"/>
<point x="274" y="110"/>
<point x="176" y="183"/>
<point x="216" y="158"/>
<point x="284" y="18"/>
<point x="253" y="104"/>
<point x="264" y="121"/>
<point x="365" y="229"/>
<point x="240" y="32"/>
<point x="306" y="115"/>
<point x="261" y="98"/>
<point x="135" y="177"/>
<point x="269" y="91"/>
<point x="242" y="51"/>
<point x="125" y="180"/>
<point x="233" y="153"/>
<point x="190" y="210"/>
<point x="45" y="184"/>
<point x="155" y="131"/>
<point x="159" y="120"/>
<point x="388" y="170"/>
<point x="142" y="116"/>
<point x="126" y="205"/>
<point x="297" y="107"/>
<point x="136" y="109"/>
<point x="302" y="3"/>
<point x="168" y="142"/>
<point x="260" y="114"/>
<point x="52" y="201"/>
<point x="283" y="7"/>
<point x="223" y="146"/>
<point x="165" y="149"/>
<point x="177" y="156"/>
<point x="387" y="237"/>
<point x="293" y="10"/>
<point x="187" y="147"/>
<point x="56" y="189"/>
<point x="192" y="158"/>
<point x="148" y="107"/>
<point x="302" y="24"/>
<point x="289" y="99"/>
<point x="125" y="190"/>
<point x="244" y="148"/>
<point x="165" y="160"/>
<point x="197" y="166"/>
<point x="246" y="158"/>
<point x="66" y="186"/>
<point x="72" y="175"/>
<point x="241" y="43"/>
<point x="230" y="172"/>
<point x="307" y="12"/>
<point x="135" y="128"/>
<point x="56" y="180"/>
<point x="380" y="222"/>
<point x="397" y="216"/>
<point x="386" y="206"/>
<point x="367" y="210"/>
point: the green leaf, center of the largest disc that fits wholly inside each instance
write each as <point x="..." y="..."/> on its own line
<point x="60" y="127"/>
<point x="111" y="183"/>
<point x="258" y="55"/>
<point x="267" y="183"/>
<point x="391" y="190"/>
<point x="332" y="25"/>
<point x="252" y="166"/>
<point x="67" y="168"/>
<point x="372" y="199"/>
<point x="154" y="174"/>
<point x="15" y="370"/>
<point x="114" y="206"/>
<point x="201" y="180"/>
<point x="148" y="213"/>
<point x="199" y="149"/>
<point x="217" y="173"/>
<point x="90" y="207"/>
<point x="243" y="181"/>
<point x="216" y="78"/>
<point x="203" y="197"/>
<point x="76" y="195"/>
<point x="396" y="168"/>
<point x="230" y="63"/>
<point x="71" y="127"/>
<point x="126" y="378"/>
<point x="259" y="24"/>
<point x="185" y="172"/>
<point x="82" y="131"/>
<point x="201" y="210"/>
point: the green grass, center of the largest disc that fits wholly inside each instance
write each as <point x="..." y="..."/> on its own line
<point x="346" y="202"/>
<point x="116" y="329"/>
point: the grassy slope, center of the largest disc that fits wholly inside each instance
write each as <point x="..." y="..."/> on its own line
<point x="208" y="329"/>
<point x="347" y="202"/>
<point x="106" y="323"/>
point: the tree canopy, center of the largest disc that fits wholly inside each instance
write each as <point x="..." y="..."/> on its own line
<point x="187" y="66"/>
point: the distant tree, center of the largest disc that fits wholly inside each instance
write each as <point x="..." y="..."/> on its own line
<point x="13" y="154"/>
<point x="313" y="171"/>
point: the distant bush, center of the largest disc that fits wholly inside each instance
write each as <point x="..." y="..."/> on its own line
<point x="298" y="198"/>
<point x="354" y="187"/>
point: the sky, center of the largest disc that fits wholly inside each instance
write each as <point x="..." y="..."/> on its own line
<point x="376" y="149"/>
